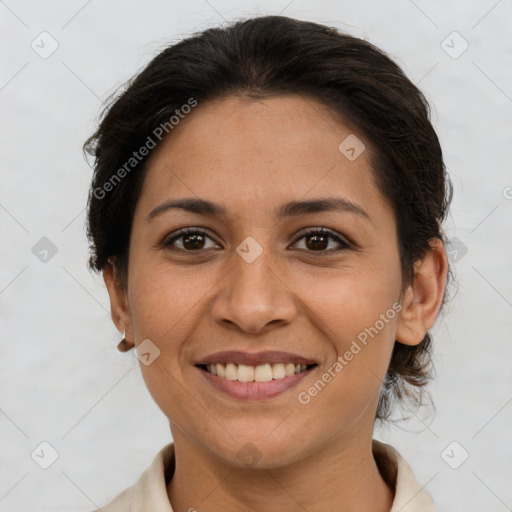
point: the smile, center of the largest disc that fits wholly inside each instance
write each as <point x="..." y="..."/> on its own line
<point x="250" y="376"/>
<point x="261" y="373"/>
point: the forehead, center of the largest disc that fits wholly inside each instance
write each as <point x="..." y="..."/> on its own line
<point x="248" y="153"/>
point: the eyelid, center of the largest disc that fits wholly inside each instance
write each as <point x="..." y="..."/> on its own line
<point x="342" y="240"/>
<point x="185" y="231"/>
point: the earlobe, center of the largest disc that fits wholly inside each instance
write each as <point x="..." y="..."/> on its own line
<point x="119" y="308"/>
<point x="423" y="298"/>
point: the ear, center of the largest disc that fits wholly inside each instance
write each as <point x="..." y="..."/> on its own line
<point x="424" y="296"/>
<point x="119" y="308"/>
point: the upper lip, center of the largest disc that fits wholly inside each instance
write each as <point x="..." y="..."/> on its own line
<point x="254" y="358"/>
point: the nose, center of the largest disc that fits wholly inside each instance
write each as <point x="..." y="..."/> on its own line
<point x="254" y="296"/>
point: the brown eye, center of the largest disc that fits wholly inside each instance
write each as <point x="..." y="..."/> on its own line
<point x="317" y="240"/>
<point x="191" y="240"/>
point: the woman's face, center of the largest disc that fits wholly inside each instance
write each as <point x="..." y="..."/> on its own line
<point x="253" y="289"/>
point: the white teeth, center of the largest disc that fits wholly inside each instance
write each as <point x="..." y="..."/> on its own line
<point x="290" y="369"/>
<point x="278" y="371"/>
<point x="231" y="371"/>
<point x="245" y="373"/>
<point x="260" y="373"/>
<point x="263" y="373"/>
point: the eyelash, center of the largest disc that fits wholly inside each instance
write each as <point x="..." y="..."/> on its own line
<point x="167" y="242"/>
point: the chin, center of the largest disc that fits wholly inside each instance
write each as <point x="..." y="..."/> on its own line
<point x="258" y="451"/>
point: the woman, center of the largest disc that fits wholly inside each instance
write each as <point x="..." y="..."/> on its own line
<point x="265" y="210"/>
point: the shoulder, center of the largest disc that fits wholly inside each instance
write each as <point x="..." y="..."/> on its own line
<point x="150" y="490"/>
<point x="121" y="503"/>
<point x="410" y="496"/>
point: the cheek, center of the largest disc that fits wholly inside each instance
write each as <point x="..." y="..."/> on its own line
<point x="165" y="308"/>
<point x="351" y="300"/>
<point x="162" y="300"/>
<point x="357" y="314"/>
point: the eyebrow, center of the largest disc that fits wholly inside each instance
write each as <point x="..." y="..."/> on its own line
<point x="290" y="209"/>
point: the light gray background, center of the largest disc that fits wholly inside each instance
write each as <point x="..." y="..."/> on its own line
<point x="63" y="381"/>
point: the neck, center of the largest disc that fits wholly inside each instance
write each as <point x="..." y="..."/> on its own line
<point x="342" y="476"/>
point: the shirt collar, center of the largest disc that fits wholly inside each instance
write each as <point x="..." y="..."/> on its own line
<point x="410" y="496"/>
<point x="150" y="491"/>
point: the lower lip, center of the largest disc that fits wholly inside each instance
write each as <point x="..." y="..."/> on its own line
<point x="254" y="390"/>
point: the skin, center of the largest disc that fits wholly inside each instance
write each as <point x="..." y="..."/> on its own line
<point x="251" y="156"/>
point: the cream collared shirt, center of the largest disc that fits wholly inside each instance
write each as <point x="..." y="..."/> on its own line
<point x="149" y="493"/>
